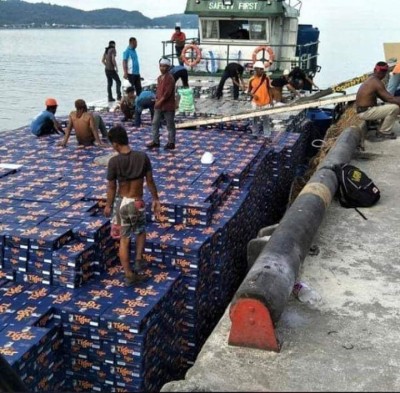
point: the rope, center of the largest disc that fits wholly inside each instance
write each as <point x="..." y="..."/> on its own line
<point x="347" y="119"/>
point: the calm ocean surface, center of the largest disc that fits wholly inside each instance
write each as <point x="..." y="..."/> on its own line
<point x="66" y="64"/>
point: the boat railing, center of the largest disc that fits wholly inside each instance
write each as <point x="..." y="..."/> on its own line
<point x="306" y="56"/>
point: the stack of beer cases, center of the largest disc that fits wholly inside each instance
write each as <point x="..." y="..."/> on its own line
<point x="123" y="337"/>
<point x="36" y="362"/>
<point x="95" y="230"/>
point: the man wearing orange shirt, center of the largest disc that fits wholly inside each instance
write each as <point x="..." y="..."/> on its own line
<point x="259" y="87"/>
<point x="179" y="38"/>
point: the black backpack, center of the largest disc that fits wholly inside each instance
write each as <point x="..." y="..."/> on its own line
<point x="355" y="189"/>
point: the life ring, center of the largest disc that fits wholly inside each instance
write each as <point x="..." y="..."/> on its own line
<point x="264" y="48"/>
<point x="190" y="61"/>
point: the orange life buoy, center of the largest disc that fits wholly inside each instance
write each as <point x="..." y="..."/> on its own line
<point x="190" y="61"/>
<point x="264" y="48"/>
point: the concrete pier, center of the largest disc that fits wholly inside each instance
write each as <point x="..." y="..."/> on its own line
<point x="349" y="342"/>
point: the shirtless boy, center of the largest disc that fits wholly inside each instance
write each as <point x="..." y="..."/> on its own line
<point x="127" y="171"/>
<point x="84" y="124"/>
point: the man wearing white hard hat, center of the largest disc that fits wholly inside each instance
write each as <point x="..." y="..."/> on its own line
<point x="259" y="87"/>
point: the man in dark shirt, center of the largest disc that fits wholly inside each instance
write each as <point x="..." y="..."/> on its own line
<point x="111" y="69"/>
<point x="127" y="170"/>
<point x="165" y="106"/>
<point x="279" y="83"/>
<point x="180" y="72"/>
<point x="300" y="81"/>
<point x="234" y="71"/>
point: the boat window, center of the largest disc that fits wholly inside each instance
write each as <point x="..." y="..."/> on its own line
<point x="256" y="30"/>
<point x="209" y="28"/>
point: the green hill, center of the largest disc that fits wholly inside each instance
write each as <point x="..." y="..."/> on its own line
<point x="17" y="13"/>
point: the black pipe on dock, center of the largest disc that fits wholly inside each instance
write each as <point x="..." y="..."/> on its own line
<point x="9" y="379"/>
<point x="260" y="300"/>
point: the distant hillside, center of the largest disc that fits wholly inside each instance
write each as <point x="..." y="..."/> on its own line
<point x="17" y="13"/>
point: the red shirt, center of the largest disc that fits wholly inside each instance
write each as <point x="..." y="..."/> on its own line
<point x="165" y="93"/>
<point x="179" y="37"/>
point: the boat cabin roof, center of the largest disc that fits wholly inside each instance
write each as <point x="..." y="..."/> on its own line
<point x="242" y="8"/>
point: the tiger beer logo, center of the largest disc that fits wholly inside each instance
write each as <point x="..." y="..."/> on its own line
<point x="35" y="295"/>
<point x="33" y="278"/>
<point x="166" y="237"/>
<point x="55" y="224"/>
<point x="121" y="327"/>
<point x="84" y="363"/>
<point x="123" y="371"/>
<point x="92" y="305"/>
<point x="208" y="231"/>
<point x="7" y="351"/>
<point x="123" y="350"/>
<point x="193" y="221"/>
<point x="126" y="311"/>
<point x="81" y="343"/>
<point x="85" y="385"/>
<point x="182" y="262"/>
<point x="31" y="231"/>
<point x="134" y="303"/>
<point x="18" y="336"/>
<point x="102" y="293"/>
<point x="146" y="291"/>
<point x="161" y="277"/>
<point x="152" y="235"/>
<point x="189" y="240"/>
<point x="114" y="283"/>
<point x="77" y="247"/>
<point x="14" y="290"/>
<point x="43" y="384"/>
<point x="2" y="274"/>
<point x="26" y="313"/>
<point x="63" y="298"/>
<point x="95" y="224"/>
<point x="112" y="271"/>
<point x="81" y="319"/>
<point x="63" y="204"/>
<point x="4" y="307"/>
<point x="41" y="359"/>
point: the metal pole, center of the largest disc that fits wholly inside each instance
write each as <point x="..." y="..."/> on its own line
<point x="264" y="293"/>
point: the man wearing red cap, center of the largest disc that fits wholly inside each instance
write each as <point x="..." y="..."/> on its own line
<point x="45" y="122"/>
<point x="367" y="102"/>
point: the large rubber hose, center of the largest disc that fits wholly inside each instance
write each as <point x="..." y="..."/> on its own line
<point x="271" y="278"/>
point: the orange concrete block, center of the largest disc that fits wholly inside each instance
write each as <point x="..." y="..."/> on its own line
<point x="252" y="326"/>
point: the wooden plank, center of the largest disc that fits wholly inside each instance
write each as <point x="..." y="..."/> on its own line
<point x="271" y="111"/>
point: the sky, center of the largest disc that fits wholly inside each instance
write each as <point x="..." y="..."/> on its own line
<point x="151" y="9"/>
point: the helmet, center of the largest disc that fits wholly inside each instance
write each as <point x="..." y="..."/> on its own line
<point x="51" y="102"/>
<point x="207" y="158"/>
<point x="259" y="64"/>
<point x="286" y="72"/>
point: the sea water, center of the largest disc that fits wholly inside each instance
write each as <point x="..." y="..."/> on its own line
<point x="66" y="63"/>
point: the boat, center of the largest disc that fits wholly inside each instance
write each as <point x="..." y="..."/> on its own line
<point x="245" y="31"/>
